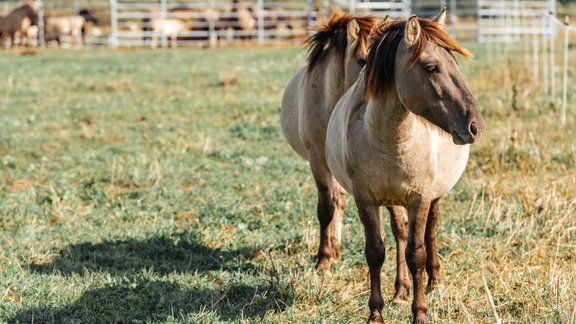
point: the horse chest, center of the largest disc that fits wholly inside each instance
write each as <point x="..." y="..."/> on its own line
<point x="429" y="168"/>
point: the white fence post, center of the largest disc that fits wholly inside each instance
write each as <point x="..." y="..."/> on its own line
<point x="565" y="80"/>
<point x="40" y="5"/>
<point x="163" y="16"/>
<point x="553" y="56"/>
<point x="260" y="21"/>
<point x="76" y="7"/>
<point x="212" y="35"/>
<point x="545" y="54"/>
<point x="113" y="23"/>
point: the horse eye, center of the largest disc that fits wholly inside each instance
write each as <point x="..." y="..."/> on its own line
<point x="432" y="69"/>
<point x="361" y="62"/>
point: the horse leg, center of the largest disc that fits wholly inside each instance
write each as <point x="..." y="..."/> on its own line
<point x="330" y="209"/>
<point x="174" y="40"/>
<point x="399" y="225"/>
<point x="432" y="263"/>
<point x="416" y="253"/>
<point x="375" y="255"/>
<point x="154" y="40"/>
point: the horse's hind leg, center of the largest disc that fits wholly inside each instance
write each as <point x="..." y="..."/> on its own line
<point x="331" y="205"/>
<point x="399" y="225"/>
<point x="432" y="262"/>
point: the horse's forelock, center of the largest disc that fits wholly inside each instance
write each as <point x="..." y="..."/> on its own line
<point x="379" y="75"/>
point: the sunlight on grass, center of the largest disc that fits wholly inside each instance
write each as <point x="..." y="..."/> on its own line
<point x="155" y="186"/>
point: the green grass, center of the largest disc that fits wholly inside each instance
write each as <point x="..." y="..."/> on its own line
<point x="155" y="186"/>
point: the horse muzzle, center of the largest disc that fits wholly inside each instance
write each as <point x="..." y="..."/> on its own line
<point x="471" y="134"/>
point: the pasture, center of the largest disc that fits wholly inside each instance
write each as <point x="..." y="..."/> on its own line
<point x="155" y="186"/>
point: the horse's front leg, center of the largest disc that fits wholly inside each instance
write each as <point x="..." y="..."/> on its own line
<point x="330" y="210"/>
<point x="375" y="255"/>
<point x="399" y="226"/>
<point x="418" y="207"/>
<point x="432" y="263"/>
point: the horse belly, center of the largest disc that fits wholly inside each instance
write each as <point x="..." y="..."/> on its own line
<point x="289" y="115"/>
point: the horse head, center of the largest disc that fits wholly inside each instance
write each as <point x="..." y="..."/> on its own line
<point x="414" y="59"/>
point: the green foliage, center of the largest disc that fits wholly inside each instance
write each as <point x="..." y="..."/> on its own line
<point x="155" y="186"/>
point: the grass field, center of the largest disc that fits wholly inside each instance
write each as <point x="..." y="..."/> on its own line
<point x="155" y="186"/>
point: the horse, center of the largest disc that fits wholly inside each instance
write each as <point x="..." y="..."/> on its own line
<point x="18" y="21"/>
<point x="400" y="137"/>
<point x="242" y="19"/>
<point x="57" y="26"/>
<point x="166" y="26"/>
<point x="337" y="53"/>
<point x="198" y="21"/>
<point x="90" y="15"/>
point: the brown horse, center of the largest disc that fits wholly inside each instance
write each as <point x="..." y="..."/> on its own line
<point x="337" y="53"/>
<point x="18" y="21"/>
<point x="400" y="138"/>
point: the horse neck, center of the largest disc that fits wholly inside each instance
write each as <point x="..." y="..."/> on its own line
<point x="388" y="121"/>
<point x="332" y="78"/>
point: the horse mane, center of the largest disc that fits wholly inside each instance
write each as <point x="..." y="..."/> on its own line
<point x="379" y="75"/>
<point x="332" y="35"/>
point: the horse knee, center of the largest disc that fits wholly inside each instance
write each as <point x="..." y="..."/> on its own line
<point x="415" y="257"/>
<point x="375" y="252"/>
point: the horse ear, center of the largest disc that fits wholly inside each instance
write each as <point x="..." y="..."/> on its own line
<point x="412" y="31"/>
<point x="441" y="17"/>
<point x="383" y="20"/>
<point x="353" y="30"/>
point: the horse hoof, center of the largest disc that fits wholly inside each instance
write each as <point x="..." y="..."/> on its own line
<point x="399" y="301"/>
<point x="420" y="319"/>
<point x="323" y="267"/>
<point x="438" y="287"/>
<point x="375" y="319"/>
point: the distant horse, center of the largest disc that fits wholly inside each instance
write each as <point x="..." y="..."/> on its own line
<point x="337" y="54"/>
<point x="400" y="138"/>
<point x="242" y="19"/>
<point x="18" y="21"/>
<point x="57" y="26"/>
<point x="198" y="21"/>
<point x="170" y="27"/>
<point x="90" y="15"/>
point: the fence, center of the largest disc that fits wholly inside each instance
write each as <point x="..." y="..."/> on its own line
<point x="512" y="20"/>
<point x="209" y="23"/>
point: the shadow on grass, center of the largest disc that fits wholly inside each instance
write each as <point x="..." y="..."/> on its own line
<point x="132" y="296"/>
<point x="178" y="253"/>
<point x="158" y="301"/>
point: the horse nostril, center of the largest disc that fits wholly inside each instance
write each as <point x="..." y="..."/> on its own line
<point x="473" y="130"/>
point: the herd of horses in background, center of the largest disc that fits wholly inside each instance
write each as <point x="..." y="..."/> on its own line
<point x="238" y="21"/>
<point x="20" y="26"/>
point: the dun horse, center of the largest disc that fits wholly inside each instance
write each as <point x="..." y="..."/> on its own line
<point x="337" y="54"/>
<point x="57" y="26"/>
<point x="18" y="21"/>
<point x="400" y="138"/>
